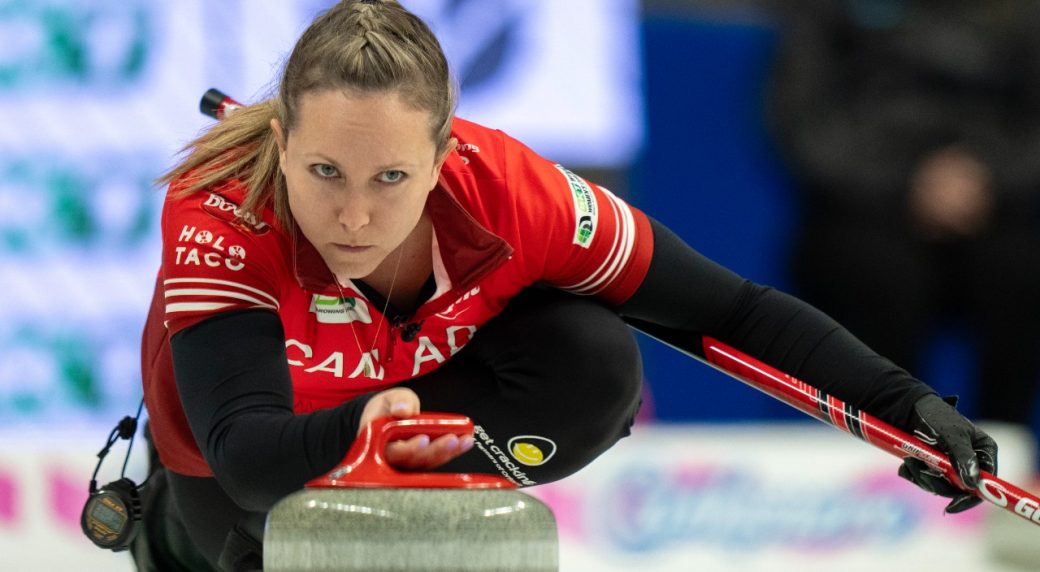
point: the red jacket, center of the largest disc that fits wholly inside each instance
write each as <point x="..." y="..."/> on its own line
<point x="504" y="218"/>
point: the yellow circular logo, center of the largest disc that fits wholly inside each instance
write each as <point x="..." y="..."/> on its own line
<point x="527" y="453"/>
<point x="531" y="450"/>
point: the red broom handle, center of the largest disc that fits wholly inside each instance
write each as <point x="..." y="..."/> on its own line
<point x="878" y="433"/>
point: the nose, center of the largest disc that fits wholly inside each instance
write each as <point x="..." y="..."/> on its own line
<point x="353" y="213"/>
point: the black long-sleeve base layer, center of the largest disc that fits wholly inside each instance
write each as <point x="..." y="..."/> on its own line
<point x="686" y="295"/>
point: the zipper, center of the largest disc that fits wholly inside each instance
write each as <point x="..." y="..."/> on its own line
<point x="391" y="339"/>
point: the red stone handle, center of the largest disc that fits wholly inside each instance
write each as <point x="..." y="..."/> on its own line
<point x="365" y="465"/>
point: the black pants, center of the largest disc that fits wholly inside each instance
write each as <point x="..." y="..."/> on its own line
<point x="552" y="382"/>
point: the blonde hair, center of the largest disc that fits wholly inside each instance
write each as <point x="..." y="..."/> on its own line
<point x="369" y="46"/>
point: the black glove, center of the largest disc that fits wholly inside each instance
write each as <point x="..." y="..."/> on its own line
<point x="938" y="424"/>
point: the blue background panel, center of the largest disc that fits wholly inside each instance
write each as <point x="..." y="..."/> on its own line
<point x="707" y="172"/>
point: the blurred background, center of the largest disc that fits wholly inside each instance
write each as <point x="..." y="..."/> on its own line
<point x="880" y="158"/>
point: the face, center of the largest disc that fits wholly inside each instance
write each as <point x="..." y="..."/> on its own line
<point x="358" y="169"/>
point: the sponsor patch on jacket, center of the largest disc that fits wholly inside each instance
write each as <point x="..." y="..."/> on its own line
<point x="337" y="310"/>
<point x="223" y="209"/>
<point x="584" y="208"/>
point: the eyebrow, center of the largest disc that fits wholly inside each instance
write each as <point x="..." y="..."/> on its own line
<point x="322" y="157"/>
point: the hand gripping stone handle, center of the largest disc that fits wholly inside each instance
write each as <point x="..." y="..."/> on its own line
<point x="365" y="465"/>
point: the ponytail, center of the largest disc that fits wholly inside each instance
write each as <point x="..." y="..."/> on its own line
<point x="241" y="146"/>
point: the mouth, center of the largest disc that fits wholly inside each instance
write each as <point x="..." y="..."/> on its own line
<point x="352" y="248"/>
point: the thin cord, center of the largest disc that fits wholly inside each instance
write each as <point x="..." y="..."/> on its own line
<point x="382" y="318"/>
<point x="130" y="447"/>
<point x="125" y="429"/>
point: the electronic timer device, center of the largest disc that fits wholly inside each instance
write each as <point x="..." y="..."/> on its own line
<point x="112" y="514"/>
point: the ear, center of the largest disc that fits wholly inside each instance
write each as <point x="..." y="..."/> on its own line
<point x="452" y="144"/>
<point x="279" y="139"/>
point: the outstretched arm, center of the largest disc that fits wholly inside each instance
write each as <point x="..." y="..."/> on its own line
<point x="692" y="296"/>
<point x="687" y="292"/>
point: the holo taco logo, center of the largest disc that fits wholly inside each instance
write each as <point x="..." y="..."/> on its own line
<point x="531" y="450"/>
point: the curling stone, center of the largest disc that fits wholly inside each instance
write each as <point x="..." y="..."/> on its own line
<point x="366" y="515"/>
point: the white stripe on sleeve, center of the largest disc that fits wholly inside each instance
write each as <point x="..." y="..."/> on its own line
<point x="238" y="285"/>
<point x="219" y="294"/>
<point x="582" y="286"/>
<point x="620" y="252"/>
<point x="194" y="306"/>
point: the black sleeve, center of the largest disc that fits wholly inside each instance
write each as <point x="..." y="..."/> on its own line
<point x="233" y="379"/>
<point x="685" y="295"/>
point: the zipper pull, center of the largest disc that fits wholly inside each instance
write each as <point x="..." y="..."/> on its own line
<point x="391" y="339"/>
<point x="411" y="330"/>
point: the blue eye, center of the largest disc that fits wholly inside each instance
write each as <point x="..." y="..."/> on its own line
<point x="391" y="176"/>
<point x="324" y="170"/>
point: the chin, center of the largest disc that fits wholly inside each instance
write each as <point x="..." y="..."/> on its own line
<point x="350" y="270"/>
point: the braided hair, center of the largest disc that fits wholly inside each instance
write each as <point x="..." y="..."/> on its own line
<point x="366" y="46"/>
